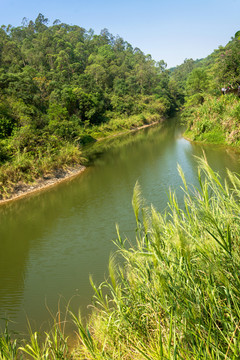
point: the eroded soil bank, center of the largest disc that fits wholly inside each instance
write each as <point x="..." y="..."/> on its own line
<point x="52" y="179"/>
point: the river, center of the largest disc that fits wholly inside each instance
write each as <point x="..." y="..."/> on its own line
<point x="52" y="240"/>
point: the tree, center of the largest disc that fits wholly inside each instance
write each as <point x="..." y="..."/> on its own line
<point x="228" y="69"/>
<point x="196" y="86"/>
<point x="197" y="81"/>
<point x="41" y="23"/>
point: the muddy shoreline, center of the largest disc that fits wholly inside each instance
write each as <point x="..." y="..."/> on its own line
<point x="57" y="176"/>
<point x="46" y="182"/>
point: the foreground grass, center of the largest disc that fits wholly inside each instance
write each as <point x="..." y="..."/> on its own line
<point x="215" y="121"/>
<point x="177" y="293"/>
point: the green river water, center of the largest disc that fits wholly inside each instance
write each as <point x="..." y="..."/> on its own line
<point x="51" y="241"/>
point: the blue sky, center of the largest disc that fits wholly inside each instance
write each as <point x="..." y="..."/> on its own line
<point x="172" y="30"/>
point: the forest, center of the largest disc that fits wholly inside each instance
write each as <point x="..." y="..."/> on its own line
<point x="62" y="86"/>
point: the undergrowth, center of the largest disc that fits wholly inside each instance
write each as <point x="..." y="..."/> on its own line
<point x="215" y="121"/>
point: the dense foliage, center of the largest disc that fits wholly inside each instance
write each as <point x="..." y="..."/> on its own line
<point x="59" y="83"/>
<point x="212" y="113"/>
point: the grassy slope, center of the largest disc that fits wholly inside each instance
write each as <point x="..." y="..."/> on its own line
<point x="215" y="121"/>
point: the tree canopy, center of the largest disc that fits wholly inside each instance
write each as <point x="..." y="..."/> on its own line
<point x="46" y="67"/>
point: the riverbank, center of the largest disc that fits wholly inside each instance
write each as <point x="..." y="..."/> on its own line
<point x="57" y="176"/>
<point x="227" y="147"/>
<point x="216" y="121"/>
<point x="52" y="179"/>
<point x="130" y="130"/>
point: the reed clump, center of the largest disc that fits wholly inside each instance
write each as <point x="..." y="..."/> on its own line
<point x="177" y="294"/>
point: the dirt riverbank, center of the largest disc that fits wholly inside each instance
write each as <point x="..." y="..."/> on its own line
<point x="56" y="177"/>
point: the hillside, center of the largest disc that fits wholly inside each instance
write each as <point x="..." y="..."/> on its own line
<point x="62" y="86"/>
<point x="212" y="114"/>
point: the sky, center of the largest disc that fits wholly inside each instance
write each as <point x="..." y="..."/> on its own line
<point x="170" y="30"/>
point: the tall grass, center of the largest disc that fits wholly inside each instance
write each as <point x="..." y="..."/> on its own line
<point x="8" y="346"/>
<point x="175" y="294"/>
<point x="48" y="345"/>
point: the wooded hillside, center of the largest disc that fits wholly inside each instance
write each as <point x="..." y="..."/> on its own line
<point x="61" y="86"/>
